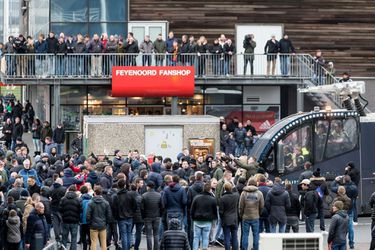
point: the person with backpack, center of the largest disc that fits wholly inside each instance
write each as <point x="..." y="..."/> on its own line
<point x="311" y="203"/>
<point x="319" y="183"/>
<point x="84" y="225"/>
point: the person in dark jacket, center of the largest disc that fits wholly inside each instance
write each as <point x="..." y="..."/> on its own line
<point x="77" y="143"/>
<point x="106" y="180"/>
<point x="69" y="179"/>
<point x="217" y="53"/>
<point x="203" y="211"/>
<point x="249" y="45"/>
<point x="155" y="176"/>
<point x="36" y="130"/>
<point x="112" y="232"/>
<point x="131" y="47"/>
<point x="228" y="210"/>
<point x="174" y="238"/>
<point x="20" y="47"/>
<point x="292" y="214"/>
<point x="125" y="206"/>
<point x="338" y="228"/>
<point x="70" y="210"/>
<point x="41" y="47"/>
<point x="57" y="193"/>
<point x="311" y="203"/>
<point x="264" y="224"/>
<point x="271" y="49"/>
<point x="319" y="183"/>
<point x="201" y="48"/>
<point x="17" y="132"/>
<point x="36" y="225"/>
<point x="7" y="133"/>
<point x="61" y="57"/>
<point x="45" y="132"/>
<point x="98" y="216"/>
<point x="96" y="47"/>
<point x="117" y="161"/>
<point x="160" y="47"/>
<point x="152" y="208"/>
<point x="239" y="135"/>
<point x="229" y="51"/>
<point x="13" y="231"/>
<point x="45" y="194"/>
<point x="224" y="134"/>
<point x="285" y="49"/>
<point x="32" y="186"/>
<point x="59" y="138"/>
<point x="277" y="202"/>
<point x="51" y="49"/>
<point x="174" y="199"/>
<point x="84" y="226"/>
<point x="354" y="174"/>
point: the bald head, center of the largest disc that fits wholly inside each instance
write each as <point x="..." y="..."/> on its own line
<point x="39" y="207"/>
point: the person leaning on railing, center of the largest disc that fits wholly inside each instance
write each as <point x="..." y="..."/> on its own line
<point x="202" y="48"/>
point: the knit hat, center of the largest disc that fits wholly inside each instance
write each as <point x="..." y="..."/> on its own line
<point x="317" y="172"/>
<point x="174" y="224"/>
<point x="24" y="193"/>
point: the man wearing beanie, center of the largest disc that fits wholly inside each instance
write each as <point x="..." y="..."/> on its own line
<point x="338" y="227"/>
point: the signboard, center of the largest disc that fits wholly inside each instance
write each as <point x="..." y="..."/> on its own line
<point x="201" y="147"/>
<point x="153" y="81"/>
<point x="163" y="140"/>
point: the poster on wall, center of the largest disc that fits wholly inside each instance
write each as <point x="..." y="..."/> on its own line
<point x="163" y="140"/>
<point x="201" y="147"/>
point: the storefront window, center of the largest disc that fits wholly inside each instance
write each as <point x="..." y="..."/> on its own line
<point x="98" y="109"/>
<point x="230" y="95"/>
<point x="73" y="95"/>
<point x="146" y="101"/>
<point x="103" y="94"/>
<point x="71" y="117"/>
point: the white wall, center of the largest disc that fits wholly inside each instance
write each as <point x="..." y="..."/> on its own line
<point x="262" y="33"/>
<point x="266" y="94"/>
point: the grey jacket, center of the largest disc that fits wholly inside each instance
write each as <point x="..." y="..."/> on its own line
<point x="14" y="230"/>
<point x="146" y="47"/>
<point x="338" y="228"/>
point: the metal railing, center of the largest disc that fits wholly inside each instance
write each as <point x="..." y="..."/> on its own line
<point x="88" y="65"/>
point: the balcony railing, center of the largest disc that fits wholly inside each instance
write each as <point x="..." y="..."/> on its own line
<point x="39" y="66"/>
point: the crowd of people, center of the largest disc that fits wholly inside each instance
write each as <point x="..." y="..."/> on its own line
<point x="54" y="54"/>
<point x="190" y="203"/>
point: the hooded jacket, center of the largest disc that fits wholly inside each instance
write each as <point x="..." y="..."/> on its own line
<point x="193" y="191"/>
<point x="277" y="202"/>
<point x="13" y="229"/>
<point x="98" y="213"/>
<point x="203" y="208"/>
<point x="70" y="208"/>
<point x="228" y="208"/>
<point x="311" y="202"/>
<point x="175" y="198"/>
<point x="251" y="203"/>
<point x="124" y="204"/>
<point x="106" y="181"/>
<point x="57" y="193"/>
<point x="264" y="189"/>
<point x="338" y="228"/>
<point x="155" y="176"/>
<point x="36" y="225"/>
<point x="85" y="200"/>
<point x="68" y="178"/>
<point x="295" y="205"/>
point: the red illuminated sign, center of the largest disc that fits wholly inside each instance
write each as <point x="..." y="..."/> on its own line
<point x="153" y="81"/>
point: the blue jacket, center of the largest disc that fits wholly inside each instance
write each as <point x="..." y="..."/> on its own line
<point x="156" y="178"/>
<point x="85" y="199"/>
<point x="92" y="178"/>
<point x="41" y="47"/>
<point x="25" y="175"/>
<point x="36" y="224"/>
<point x="264" y="190"/>
<point x="69" y="179"/>
<point x="175" y="198"/>
<point x="170" y="44"/>
<point x="239" y="134"/>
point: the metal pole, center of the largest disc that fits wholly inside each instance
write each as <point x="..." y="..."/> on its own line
<point x="174" y="106"/>
<point x="300" y="101"/>
<point x="56" y="104"/>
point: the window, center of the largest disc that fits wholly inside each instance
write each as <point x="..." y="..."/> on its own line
<point x="230" y="95"/>
<point x="108" y="10"/>
<point x="342" y="138"/>
<point x="294" y="150"/>
<point x="69" y="28"/>
<point x="69" y="11"/>
<point x="320" y="138"/>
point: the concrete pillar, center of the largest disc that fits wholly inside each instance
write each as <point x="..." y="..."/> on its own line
<point x="300" y="101"/>
<point x="56" y="117"/>
<point x="174" y="106"/>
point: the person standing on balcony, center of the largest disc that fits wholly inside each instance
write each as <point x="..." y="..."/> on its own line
<point x="95" y="47"/>
<point x="52" y="50"/>
<point x="41" y="47"/>
<point x="285" y="48"/>
<point x="229" y="51"/>
<point x="217" y="55"/>
<point x="202" y="48"/>
<point x="271" y="49"/>
<point x="249" y="45"/>
<point x="21" y="61"/>
<point x="61" y="54"/>
<point x="160" y="47"/>
<point x="170" y="48"/>
<point x="192" y="50"/>
<point x="319" y="64"/>
<point x="71" y="60"/>
<point x="111" y="49"/>
<point x="131" y="47"/>
<point x="146" y="47"/>
<point x="80" y="48"/>
<point x="30" y="60"/>
<point x="9" y="57"/>
<point x="184" y="49"/>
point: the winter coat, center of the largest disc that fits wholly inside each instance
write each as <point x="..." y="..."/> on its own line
<point x="203" y="208"/>
<point x="251" y="203"/>
<point x="354" y="175"/>
<point x="169" y="44"/>
<point x="151" y="204"/>
<point x="174" y="198"/>
<point x="95" y="47"/>
<point x="277" y="202"/>
<point x="111" y="47"/>
<point x="20" y="46"/>
<point x="249" y="46"/>
<point x="25" y="173"/>
<point x="80" y="47"/>
<point x="156" y="178"/>
<point x="146" y="47"/>
<point x="98" y="213"/>
<point x="13" y="229"/>
<point x="228" y="209"/>
<point x="59" y="135"/>
<point x="229" y="48"/>
<point x="338" y="228"/>
<point x="216" y="49"/>
<point x="47" y="209"/>
<point x="70" y="47"/>
<point x="131" y="48"/>
<point x="224" y="134"/>
<point x="69" y="179"/>
<point x="295" y="205"/>
<point x="311" y="202"/>
<point x="70" y="208"/>
<point x="92" y="178"/>
<point x="124" y="204"/>
<point x="319" y="182"/>
<point x="193" y="191"/>
<point x="7" y="132"/>
<point x="17" y="131"/>
<point x="33" y="189"/>
<point x="264" y="189"/>
<point x="346" y="200"/>
<point x="46" y="132"/>
<point x="271" y="48"/>
<point x="61" y="48"/>
<point x="174" y="240"/>
<point x="52" y="44"/>
<point x="85" y="200"/>
<point x="239" y="135"/>
<point x="36" y="225"/>
<point x="106" y="181"/>
<point x="286" y="46"/>
<point x="42" y="169"/>
<point x="350" y="187"/>
<point x="41" y="47"/>
<point x="160" y="46"/>
<point x="57" y="193"/>
<point x="36" y="131"/>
